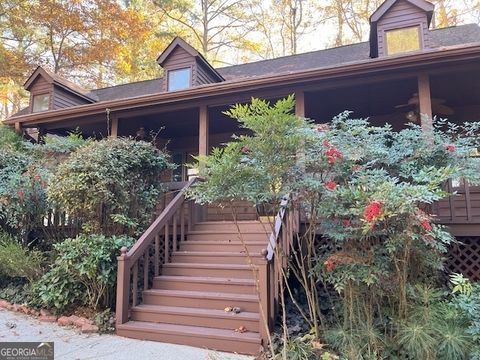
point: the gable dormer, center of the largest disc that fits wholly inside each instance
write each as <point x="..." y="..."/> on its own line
<point x="49" y="91"/>
<point x="400" y="26"/>
<point x="185" y="67"/>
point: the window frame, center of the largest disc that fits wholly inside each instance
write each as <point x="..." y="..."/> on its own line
<point x="190" y="83"/>
<point x="416" y="25"/>
<point x="38" y="95"/>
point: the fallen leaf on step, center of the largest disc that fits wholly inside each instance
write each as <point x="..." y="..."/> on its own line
<point x="228" y="309"/>
<point x="241" y="329"/>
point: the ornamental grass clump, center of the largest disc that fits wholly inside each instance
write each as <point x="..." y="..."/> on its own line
<point x="370" y="239"/>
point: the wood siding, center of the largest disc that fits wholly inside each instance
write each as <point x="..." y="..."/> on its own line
<point x="401" y="15"/>
<point x="39" y="87"/>
<point x="203" y="76"/>
<point x="63" y="99"/>
<point x="179" y="59"/>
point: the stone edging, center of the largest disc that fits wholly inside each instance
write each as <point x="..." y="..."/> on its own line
<point x="85" y="325"/>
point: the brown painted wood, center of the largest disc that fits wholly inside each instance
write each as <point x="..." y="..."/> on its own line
<point x="203" y="131"/>
<point x="425" y="100"/>
<point x="113" y="126"/>
<point x="294" y="79"/>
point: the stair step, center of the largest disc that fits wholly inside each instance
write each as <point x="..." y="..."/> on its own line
<point x="211" y="318"/>
<point x="201" y="283"/>
<point x="213" y="257"/>
<point x="201" y="299"/>
<point x="205" y="269"/>
<point x="227" y="235"/>
<point x="231" y="246"/>
<point x="247" y="226"/>
<point x="211" y="338"/>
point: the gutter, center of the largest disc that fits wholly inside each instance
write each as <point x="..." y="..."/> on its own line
<point x="424" y="58"/>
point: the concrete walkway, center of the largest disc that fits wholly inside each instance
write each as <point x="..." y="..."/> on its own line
<point x="72" y="345"/>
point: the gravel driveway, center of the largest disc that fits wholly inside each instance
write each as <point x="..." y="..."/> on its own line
<point x="71" y="345"/>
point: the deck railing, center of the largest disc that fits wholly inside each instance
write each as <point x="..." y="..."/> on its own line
<point x="463" y="207"/>
<point x="138" y="266"/>
<point x="274" y="261"/>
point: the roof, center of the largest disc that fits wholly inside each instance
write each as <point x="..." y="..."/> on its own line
<point x="280" y="84"/>
<point x="463" y="34"/>
<point x="452" y="36"/>
<point x="59" y="81"/>
<point x="179" y="42"/>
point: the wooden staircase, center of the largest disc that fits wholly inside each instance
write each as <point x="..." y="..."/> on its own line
<point x="176" y="282"/>
<point x="209" y="272"/>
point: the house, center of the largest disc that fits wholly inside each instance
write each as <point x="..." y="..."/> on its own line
<point x="405" y="70"/>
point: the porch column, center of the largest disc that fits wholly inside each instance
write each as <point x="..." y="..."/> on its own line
<point x="300" y="103"/>
<point x="300" y="112"/>
<point x="18" y="128"/>
<point x="201" y="210"/>
<point x="203" y="130"/>
<point x="425" y="101"/>
<point x="114" y="127"/>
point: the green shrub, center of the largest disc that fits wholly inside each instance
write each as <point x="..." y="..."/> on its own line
<point x="18" y="261"/>
<point x="9" y="139"/>
<point x="84" y="272"/>
<point x="111" y="186"/>
<point x="23" y="200"/>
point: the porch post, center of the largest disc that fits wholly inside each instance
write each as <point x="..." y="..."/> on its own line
<point x="203" y="131"/>
<point x="114" y="127"/>
<point x="18" y="128"/>
<point x="425" y="101"/>
<point x="203" y="146"/>
<point x="300" y="112"/>
<point x="300" y="103"/>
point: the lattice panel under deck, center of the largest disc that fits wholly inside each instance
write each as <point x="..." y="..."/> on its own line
<point x="465" y="257"/>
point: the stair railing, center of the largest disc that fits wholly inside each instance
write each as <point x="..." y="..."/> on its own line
<point x="151" y="251"/>
<point x="274" y="261"/>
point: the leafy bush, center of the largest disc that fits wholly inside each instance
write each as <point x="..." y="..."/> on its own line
<point x="84" y="272"/>
<point x="368" y="190"/>
<point x="111" y="186"/>
<point x="23" y="199"/>
<point x="9" y="139"/>
<point x="17" y="261"/>
<point x="466" y="300"/>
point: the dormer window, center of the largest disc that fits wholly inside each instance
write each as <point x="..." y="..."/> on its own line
<point x="400" y="26"/>
<point x="41" y="102"/>
<point x="179" y="79"/>
<point x="403" y="40"/>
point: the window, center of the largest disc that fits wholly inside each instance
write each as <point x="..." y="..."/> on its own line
<point x="41" y="102"/>
<point x="403" y="40"/>
<point x="179" y="79"/>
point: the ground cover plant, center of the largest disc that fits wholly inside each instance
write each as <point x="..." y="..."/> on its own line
<point x="368" y="263"/>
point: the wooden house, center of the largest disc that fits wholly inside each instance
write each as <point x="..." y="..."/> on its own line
<point x="405" y="70"/>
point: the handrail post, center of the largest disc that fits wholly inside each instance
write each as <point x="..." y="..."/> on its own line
<point x="123" y="287"/>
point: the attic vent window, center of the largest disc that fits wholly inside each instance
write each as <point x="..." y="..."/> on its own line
<point x="403" y="40"/>
<point x="179" y="79"/>
<point x="41" y="102"/>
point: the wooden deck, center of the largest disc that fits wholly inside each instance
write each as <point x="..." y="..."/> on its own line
<point x="461" y="211"/>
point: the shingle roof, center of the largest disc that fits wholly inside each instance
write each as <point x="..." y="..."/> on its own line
<point x="457" y="35"/>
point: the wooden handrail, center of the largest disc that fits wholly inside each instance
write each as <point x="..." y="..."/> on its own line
<point x="149" y="235"/>
<point x="279" y="219"/>
<point x="270" y="267"/>
<point x="162" y="235"/>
